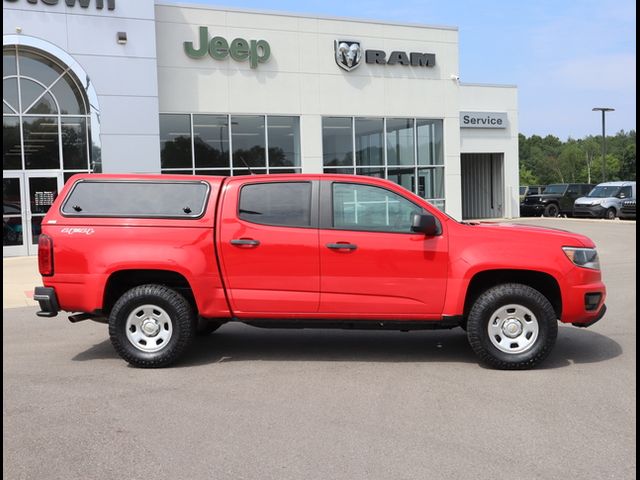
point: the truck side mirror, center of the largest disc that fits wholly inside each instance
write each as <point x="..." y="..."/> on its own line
<point x="427" y="224"/>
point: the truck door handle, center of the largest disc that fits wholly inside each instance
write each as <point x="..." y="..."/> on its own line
<point x="249" y="242"/>
<point x="342" y="246"/>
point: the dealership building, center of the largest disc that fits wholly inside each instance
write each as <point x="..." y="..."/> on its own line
<point x="118" y="86"/>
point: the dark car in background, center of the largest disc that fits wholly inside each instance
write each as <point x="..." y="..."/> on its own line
<point x="526" y="190"/>
<point x="556" y="199"/>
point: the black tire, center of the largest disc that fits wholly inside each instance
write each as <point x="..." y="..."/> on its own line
<point x="167" y="310"/>
<point x="206" y="327"/>
<point x="525" y="352"/>
<point x="610" y="214"/>
<point x="551" y="210"/>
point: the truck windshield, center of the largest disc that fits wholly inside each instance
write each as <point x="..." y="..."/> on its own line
<point x="602" y="191"/>
<point x="557" y="189"/>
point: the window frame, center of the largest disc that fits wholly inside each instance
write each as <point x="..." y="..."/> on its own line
<point x="313" y="204"/>
<point x="327" y="204"/>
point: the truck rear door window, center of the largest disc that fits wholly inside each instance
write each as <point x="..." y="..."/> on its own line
<point x="276" y="203"/>
<point x="164" y="199"/>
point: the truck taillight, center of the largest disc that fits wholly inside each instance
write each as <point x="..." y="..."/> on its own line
<point x="45" y="255"/>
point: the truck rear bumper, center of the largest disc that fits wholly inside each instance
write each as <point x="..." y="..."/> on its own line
<point x="46" y="297"/>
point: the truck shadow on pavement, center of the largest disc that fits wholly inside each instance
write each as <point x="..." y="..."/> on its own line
<point x="234" y="342"/>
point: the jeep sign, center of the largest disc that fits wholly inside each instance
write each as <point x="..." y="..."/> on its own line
<point x="256" y="51"/>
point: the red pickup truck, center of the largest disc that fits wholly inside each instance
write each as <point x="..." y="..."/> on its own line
<point x="163" y="257"/>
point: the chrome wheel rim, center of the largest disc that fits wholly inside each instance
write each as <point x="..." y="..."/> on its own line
<point x="513" y="329"/>
<point x="149" y="328"/>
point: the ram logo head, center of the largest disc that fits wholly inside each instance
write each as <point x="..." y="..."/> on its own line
<point x="348" y="54"/>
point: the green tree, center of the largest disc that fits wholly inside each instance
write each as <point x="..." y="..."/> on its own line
<point x="547" y="159"/>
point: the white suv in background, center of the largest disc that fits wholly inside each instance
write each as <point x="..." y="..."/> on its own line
<point x="605" y="200"/>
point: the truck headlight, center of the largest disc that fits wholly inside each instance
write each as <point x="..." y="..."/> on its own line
<point x="583" y="257"/>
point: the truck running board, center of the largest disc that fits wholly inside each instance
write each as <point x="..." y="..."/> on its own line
<point x="402" y="325"/>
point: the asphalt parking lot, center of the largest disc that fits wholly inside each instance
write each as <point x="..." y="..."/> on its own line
<point x="248" y="403"/>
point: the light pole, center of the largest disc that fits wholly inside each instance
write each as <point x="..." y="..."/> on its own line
<point x="604" y="138"/>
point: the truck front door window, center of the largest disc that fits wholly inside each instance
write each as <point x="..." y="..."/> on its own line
<point x="363" y="207"/>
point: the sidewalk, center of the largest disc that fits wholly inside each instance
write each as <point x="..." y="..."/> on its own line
<point x="19" y="277"/>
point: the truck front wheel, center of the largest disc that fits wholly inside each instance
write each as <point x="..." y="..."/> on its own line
<point x="150" y="326"/>
<point x="512" y="326"/>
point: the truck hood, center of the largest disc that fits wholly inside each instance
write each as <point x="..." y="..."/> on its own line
<point x="530" y="232"/>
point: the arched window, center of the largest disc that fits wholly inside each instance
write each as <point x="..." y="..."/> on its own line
<point x="45" y="113"/>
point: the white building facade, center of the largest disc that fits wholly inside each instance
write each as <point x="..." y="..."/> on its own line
<point x="118" y="86"/>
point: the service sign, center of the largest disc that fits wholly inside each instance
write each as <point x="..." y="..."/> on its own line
<point x="483" y="120"/>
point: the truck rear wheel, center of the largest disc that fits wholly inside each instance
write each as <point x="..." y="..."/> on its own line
<point x="512" y="326"/>
<point x="150" y="326"/>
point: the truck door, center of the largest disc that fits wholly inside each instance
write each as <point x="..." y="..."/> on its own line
<point x="268" y="244"/>
<point x="372" y="264"/>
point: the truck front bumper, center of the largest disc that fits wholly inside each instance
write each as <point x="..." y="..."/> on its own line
<point x="46" y="297"/>
<point x="601" y="313"/>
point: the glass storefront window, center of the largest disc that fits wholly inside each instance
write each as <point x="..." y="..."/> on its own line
<point x="284" y="141"/>
<point x="41" y="142"/>
<point x="10" y="95"/>
<point x="11" y="150"/>
<point x="248" y="141"/>
<point x="9" y="62"/>
<point x="371" y="172"/>
<point x="211" y="141"/>
<point x="431" y="182"/>
<point x="48" y="94"/>
<point x="30" y="91"/>
<point x="70" y="100"/>
<point x="74" y="143"/>
<point x="403" y="176"/>
<point x="34" y="65"/>
<point x="369" y="134"/>
<point x="398" y="149"/>
<point x="175" y="141"/>
<point x="400" y="141"/>
<point x="429" y="135"/>
<point x="210" y="144"/>
<point x="45" y="105"/>
<point x="337" y="142"/>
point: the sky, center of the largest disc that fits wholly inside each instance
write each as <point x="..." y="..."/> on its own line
<point x="565" y="56"/>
